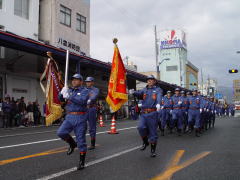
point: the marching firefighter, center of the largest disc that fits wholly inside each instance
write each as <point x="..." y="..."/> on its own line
<point x="177" y="115"/>
<point x="92" y="110"/>
<point x="212" y="112"/>
<point x="194" y="112"/>
<point x="150" y="105"/>
<point x="185" y="105"/>
<point x="166" y="108"/>
<point x="76" y="118"/>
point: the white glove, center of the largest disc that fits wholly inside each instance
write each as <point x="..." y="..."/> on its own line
<point x="212" y="111"/>
<point x="66" y="95"/>
<point x="88" y="102"/>
<point x="131" y="91"/>
<point x="139" y="105"/>
<point x="179" y="102"/>
<point x="170" y="111"/>
<point x="186" y="112"/>
<point x="162" y="107"/>
<point x="207" y="110"/>
<point x="64" y="90"/>
<point x="225" y="113"/>
<point x="204" y="109"/>
<point x="158" y="107"/>
<point x="200" y="110"/>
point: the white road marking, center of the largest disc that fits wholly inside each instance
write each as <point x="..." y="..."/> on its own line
<point x="22" y="134"/>
<point x="57" y="139"/>
<point x="32" y="133"/>
<point x="61" y="173"/>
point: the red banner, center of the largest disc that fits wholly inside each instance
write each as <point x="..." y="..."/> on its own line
<point x="117" y="87"/>
<point x="52" y="88"/>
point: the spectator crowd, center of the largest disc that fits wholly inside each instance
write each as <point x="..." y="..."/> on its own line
<point x="15" y="113"/>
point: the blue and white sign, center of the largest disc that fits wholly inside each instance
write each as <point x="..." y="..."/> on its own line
<point x="172" y="39"/>
<point x="218" y="96"/>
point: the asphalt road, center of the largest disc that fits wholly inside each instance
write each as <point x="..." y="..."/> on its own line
<point x="37" y="153"/>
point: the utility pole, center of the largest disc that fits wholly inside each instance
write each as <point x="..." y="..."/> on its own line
<point x="202" y="80"/>
<point x="156" y="52"/>
<point x="208" y="92"/>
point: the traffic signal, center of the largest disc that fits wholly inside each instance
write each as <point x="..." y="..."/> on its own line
<point x="233" y="71"/>
<point x="193" y="84"/>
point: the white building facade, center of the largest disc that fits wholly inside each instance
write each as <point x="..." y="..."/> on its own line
<point x="66" y="24"/>
<point x="60" y="23"/>
<point x="18" y="70"/>
<point x="20" y="17"/>
<point x="173" y="57"/>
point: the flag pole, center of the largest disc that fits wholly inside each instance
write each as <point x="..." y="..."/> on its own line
<point x="66" y="69"/>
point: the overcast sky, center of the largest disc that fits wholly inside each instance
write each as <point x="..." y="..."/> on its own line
<point x="212" y="28"/>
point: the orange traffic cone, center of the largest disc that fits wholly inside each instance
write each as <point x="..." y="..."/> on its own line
<point x="101" y="121"/>
<point x="113" y="129"/>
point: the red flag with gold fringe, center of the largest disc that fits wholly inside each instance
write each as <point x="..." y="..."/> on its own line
<point x="117" y="87"/>
<point x="52" y="88"/>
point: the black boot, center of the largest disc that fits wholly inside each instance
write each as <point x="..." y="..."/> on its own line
<point x="162" y="132"/>
<point x="197" y="132"/>
<point x="179" y="131"/>
<point x="145" y="144"/>
<point x="170" y="131"/>
<point x="153" y="149"/>
<point x="81" y="163"/>
<point x="72" y="145"/>
<point x="92" y="144"/>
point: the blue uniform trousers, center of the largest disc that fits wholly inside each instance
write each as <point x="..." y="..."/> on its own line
<point x="78" y="124"/>
<point x="92" y="122"/>
<point x="177" y="117"/>
<point x="147" y="126"/>
<point x="159" y="117"/>
<point x="185" y="117"/>
<point x="166" y="116"/>
<point x="194" y="114"/>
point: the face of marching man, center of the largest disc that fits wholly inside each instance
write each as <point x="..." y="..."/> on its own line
<point x="89" y="83"/>
<point x="151" y="82"/>
<point x="77" y="82"/>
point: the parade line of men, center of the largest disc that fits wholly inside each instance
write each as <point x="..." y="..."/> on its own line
<point x="180" y="112"/>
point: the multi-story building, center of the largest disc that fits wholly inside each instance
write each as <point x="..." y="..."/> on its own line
<point x="66" y="24"/>
<point x="59" y="23"/>
<point x="236" y="90"/>
<point x="209" y="87"/>
<point x="174" y="66"/>
<point x="18" y="70"/>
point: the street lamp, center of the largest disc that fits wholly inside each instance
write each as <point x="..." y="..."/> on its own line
<point x="158" y="71"/>
<point x="165" y="59"/>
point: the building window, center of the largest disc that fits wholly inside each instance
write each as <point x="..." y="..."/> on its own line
<point x="65" y="16"/>
<point x="0" y="4"/>
<point x="21" y="8"/>
<point x="237" y="90"/>
<point x="171" y="68"/>
<point x="81" y="23"/>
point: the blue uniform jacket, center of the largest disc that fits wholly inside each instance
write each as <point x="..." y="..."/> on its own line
<point x="185" y="103"/>
<point x="212" y="106"/>
<point x="151" y="97"/>
<point x="93" y="94"/>
<point x="77" y="102"/>
<point x="167" y="102"/>
<point x="194" y="102"/>
<point x="177" y="101"/>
